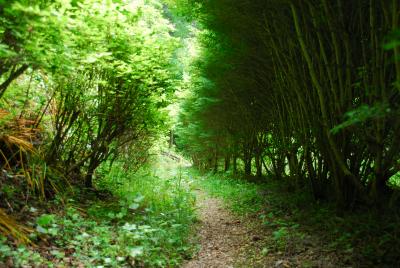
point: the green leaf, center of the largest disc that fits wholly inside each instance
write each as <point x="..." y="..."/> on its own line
<point x="136" y="251"/>
<point x="129" y="227"/>
<point x="139" y="198"/>
<point x="391" y="45"/>
<point x="362" y="114"/>
<point x="134" y="206"/>
<point x="45" y="220"/>
<point x="111" y="215"/>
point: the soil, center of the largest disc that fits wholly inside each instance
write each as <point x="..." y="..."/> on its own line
<point x="222" y="235"/>
<point x="230" y="241"/>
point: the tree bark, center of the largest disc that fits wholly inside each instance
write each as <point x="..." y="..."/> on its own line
<point x="234" y="162"/>
<point x="247" y="167"/>
<point x="216" y="160"/>
<point x="227" y="162"/>
<point x="14" y="75"/>
<point x="258" y="166"/>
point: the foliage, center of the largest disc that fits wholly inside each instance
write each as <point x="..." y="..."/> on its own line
<point x="139" y="226"/>
<point x="302" y="92"/>
<point x="98" y="90"/>
<point x="247" y="199"/>
<point x="300" y="89"/>
<point x="83" y="84"/>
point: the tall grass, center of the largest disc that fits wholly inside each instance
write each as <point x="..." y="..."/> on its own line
<point x="241" y="196"/>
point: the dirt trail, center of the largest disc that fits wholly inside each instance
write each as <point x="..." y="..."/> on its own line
<point x="228" y="241"/>
<point x="222" y="235"/>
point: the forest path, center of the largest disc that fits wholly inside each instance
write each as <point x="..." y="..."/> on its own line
<point x="222" y="235"/>
<point x="225" y="239"/>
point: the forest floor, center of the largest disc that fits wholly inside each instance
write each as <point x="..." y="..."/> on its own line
<point x="133" y="219"/>
<point x="261" y="223"/>
<point x="228" y="240"/>
<point x="221" y="234"/>
<point x="170" y="215"/>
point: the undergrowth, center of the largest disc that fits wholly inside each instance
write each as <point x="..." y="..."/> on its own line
<point x="362" y="238"/>
<point x="243" y="197"/>
<point x="134" y="220"/>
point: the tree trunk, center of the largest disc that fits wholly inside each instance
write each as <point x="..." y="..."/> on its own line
<point x="279" y="166"/>
<point x="93" y="164"/>
<point x="247" y="167"/>
<point x="216" y="161"/>
<point x="269" y="173"/>
<point x="14" y="75"/>
<point x="258" y="166"/>
<point x="89" y="179"/>
<point x="227" y="162"/>
<point x="379" y="189"/>
<point x="234" y="162"/>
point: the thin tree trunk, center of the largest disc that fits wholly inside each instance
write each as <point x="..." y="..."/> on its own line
<point x="227" y="162"/>
<point x="234" y="162"/>
<point x="14" y="75"/>
<point x="247" y="167"/>
<point x="258" y="166"/>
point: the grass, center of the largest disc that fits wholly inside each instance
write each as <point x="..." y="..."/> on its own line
<point x="139" y="220"/>
<point x="145" y="219"/>
<point x="292" y="219"/>
<point x="243" y="197"/>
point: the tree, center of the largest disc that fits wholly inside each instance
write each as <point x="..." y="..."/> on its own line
<point x="308" y="88"/>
